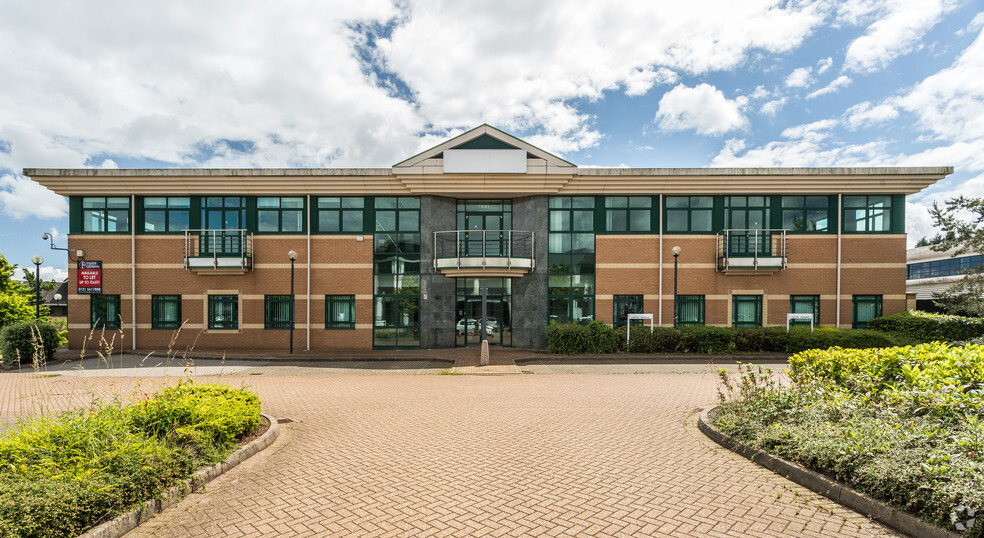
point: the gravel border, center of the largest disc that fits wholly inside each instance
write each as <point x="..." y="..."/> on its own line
<point x="833" y="490"/>
<point x="130" y="520"/>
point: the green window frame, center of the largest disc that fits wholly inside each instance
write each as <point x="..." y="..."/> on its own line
<point x="688" y="214"/>
<point x="865" y="308"/>
<point x="105" y="312"/>
<point x="690" y="310"/>
<point x="280" y="214"/>
<point x="165" y="311"/>
<point x="339" y="311"/>
<point x="746" y="311"/>
<point x="806" y="214"/>
<point x="624" y="305"/>
<point x="166" y="214"/>
<point x="106" y="214"/>
<point x="805" y="304"/>
<point x="278" y="312"/>
<point x="629" y="214"/>
<point x="868" y="214"/>
<point x="341" y="214"/>
<point x="396" y="272"/>
<point x="571" y="259"/>
<point x="223" y="312"/>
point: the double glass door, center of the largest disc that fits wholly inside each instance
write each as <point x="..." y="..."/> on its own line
<point x="468" y="310"/>
<point x="748" y="218"/>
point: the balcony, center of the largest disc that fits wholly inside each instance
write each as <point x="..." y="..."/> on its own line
<point x="483" y="253"/>
<point x="745" y="252"/>
<point x="218" y="252"/>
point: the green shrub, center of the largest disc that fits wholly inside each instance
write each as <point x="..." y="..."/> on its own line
<point x="926" y="327"/>
<point x="14" y="308"/>
<point x="29" y="341"/>
<point x="707" y="339"/>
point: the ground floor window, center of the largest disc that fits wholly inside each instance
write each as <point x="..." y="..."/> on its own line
<point x="165" y="311"/>
<point x="278" y="312"/>
<point x="223" y="312"/>
<point x="339" y="311"/>
<point x="568" y="308"/>
<point x="865" y="308"/>
<point x="690" y="310"/>
<point x="746" y="311"/>
<point x="105" y="312"/>
<point x="804" y="304"/>
<point x="396" y="311"/>
<point x="625" y="305"/>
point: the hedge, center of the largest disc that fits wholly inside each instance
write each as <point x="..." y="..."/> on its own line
<point x="926" y="327"/>
<point x="597" y="337"/>
<point x="21" y="340"/>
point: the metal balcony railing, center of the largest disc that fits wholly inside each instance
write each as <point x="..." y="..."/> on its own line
<point x="510" y="250"/>
<point x="226" y="249"/>
<point x="747" y="249"/>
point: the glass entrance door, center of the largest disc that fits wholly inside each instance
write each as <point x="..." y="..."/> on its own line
<point x="750" y="214"/>
<point x="468" y="320"/>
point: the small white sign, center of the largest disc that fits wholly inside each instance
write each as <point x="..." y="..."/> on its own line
<point x="791" y="317"/>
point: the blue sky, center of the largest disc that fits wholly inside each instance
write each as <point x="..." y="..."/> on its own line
<point x="366" y="84"/>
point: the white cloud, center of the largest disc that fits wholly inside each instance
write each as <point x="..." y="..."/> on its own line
<point x="799" y="78"/>
<point x="21" y="197"/>
<point x="863" y="114"/>
<point x="812" y="130"/>
<point x="898" y="30"/>
<point x="835" y="85"/>
<point x="639" y="81"/>
<point x="759" y="93"/>
<point x="772" y="107"/>
<point x="49" y="273"/>
<point x="824" y="64"/>
<point x="703" y="108"/>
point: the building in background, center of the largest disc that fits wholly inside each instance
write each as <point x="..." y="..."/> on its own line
<point x="929" y="272"/>
<point x="401" y="256"/>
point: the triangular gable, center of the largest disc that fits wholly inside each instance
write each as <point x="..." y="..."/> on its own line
<point x="483" y="137"/>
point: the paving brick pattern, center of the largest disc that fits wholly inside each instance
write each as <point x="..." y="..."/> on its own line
<point x="520" y="455"/>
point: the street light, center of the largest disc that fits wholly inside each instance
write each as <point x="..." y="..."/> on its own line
<point x="293" y="256"/>
<point x="676" y="256"/>
<point x="37" y="260"/>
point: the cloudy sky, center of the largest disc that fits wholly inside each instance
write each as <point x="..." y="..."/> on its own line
<point x="368" y="83"/>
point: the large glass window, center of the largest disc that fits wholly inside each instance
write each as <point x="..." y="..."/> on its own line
<point x="105" y="312"/>
<point x="163" y="214"/>
<point x="278" y="312"/>
<point x="864" y="309"/>
<point x="224" y="217"/>
<point x="396" y="272"/>
<point x="165" y="311"/>
<point x="341" y="215"/>
<point x="868" y="214"/>
<point x="746" y="311"/>
<point x="105" y="214"/>
<point x="625" y="305"/>
<point x="571" y="256"/>
<point x="280" y="214"/>
<point x="689" y="214"/>
<point x="805" y="304"/>
<point x="690" y="309"/>
<point x="745" y="218"/>
<point x="806" y="213"/>
<point x="339" y="311"/>
<point x="947" y="267"/>
<point x="628" y="214"/>
<point x="223" y="312"/>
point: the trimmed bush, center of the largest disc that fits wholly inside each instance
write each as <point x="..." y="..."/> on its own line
<point x="926" y="327"/>
<point x="28" y="341"/>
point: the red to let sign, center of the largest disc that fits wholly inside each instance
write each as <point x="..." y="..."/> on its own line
<point x="90" y="277"/>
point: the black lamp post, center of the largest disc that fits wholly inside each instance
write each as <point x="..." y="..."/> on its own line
<point x="676" y="256"/>
<point x="37" y="260"/>
<point x="293" y="256"/>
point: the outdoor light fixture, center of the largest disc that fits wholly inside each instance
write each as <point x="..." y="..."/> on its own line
<point x="676" y="255"/>
<point x="293" y="256"/>
<point x="37" y="260"/>
<point x="48" y="237"/>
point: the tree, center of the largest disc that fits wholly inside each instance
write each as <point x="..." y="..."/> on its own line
<point x="16" y="299"/>
<point x="45" y="285"/>
<point x="961" y="220"/>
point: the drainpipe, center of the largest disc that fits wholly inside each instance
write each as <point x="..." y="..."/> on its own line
<point x="133" y="270"/>
<point x="659" y="219"/>
<point x="840" y="229"/>
<point x="307" y="346"/>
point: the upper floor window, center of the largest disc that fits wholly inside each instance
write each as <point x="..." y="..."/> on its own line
<point x="341" y="214"/>
<point x="102" y="214"/>
<point x="280" y="214"/>
<point x="166" y="214"/>
<point x="628" y="214"/>
<point x="871" y="214"/>
<point x="397" y="214"/>
<point x="947" y="267"/>
<point x="806" y="213"/>
<point x="689" y="214"/>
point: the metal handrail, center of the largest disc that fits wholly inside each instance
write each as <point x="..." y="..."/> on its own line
<point x="235" y="241"/>
<point x="494" y="244"/>
<point x="758" y="243"/>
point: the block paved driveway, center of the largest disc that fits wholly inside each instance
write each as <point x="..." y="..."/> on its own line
<point x="519" y="455"/>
